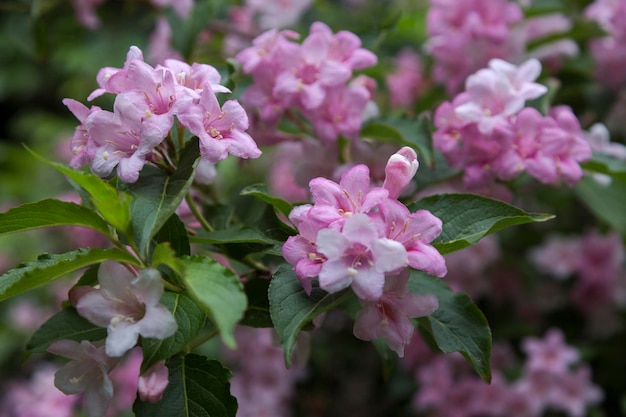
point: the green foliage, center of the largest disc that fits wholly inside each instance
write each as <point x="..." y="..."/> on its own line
<point x="457" y="325"/>
<point x="606" y="201"/>
<point x="49" y="267"/>
<point x="292" y="309"/>
<point x="47" y="213"/>
<point x="258" y="312"/>
<point x="66" y="324"/>
<point x="198" y="387"/>
<point x="467" y="218"/>
<point x="189" y="318"/>
<point x="158" y="195"/>
<point x="217" y="291"/>
<point x="261" y="192"/>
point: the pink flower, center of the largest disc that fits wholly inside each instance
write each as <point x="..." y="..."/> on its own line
<point x="221" y="130"/>
<point x="278" y="14"/>
<point x="160" y="44"/>
<point x="549" y="354"/>
<point x="87" y="373"/>
<point x="153" y="382"/>
<point x="400" y="170"/>
<point x="358" y="257"/>
<point x="406" y="81"/>
<point x="390" y="315"/>
<point x="558" y="256"/>
<point x="115" y="80"/>
<point x="82" y="145"/>
<point x="574" y="391"/>
<point x="127" y="306"/>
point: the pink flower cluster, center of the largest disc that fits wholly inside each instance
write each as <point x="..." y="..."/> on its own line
<point x="609" y="51"/>
<point x="148" y="99"/>
<point x="465" y="35"/>
<point x="364" y="238"/>
<point x="312" y="77"/>
<point x="549" y="381"/>
<point x="488" y="133"/>
<point x="597" y="261"/>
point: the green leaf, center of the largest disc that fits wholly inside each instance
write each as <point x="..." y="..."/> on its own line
<point x="457" y="325"/>
<point x="164" y="255"/>
<point x="49" y="267"/>
<point x="235" y="234"/>
<point x="606" y="165"/>
<point x="198" y="387"/>
<point x="114" y="207"/>
<point x="291" y="308"/>
<point x="415" y="133"/>
<point x="174" y="233"/>
<point x="218" y="292"/>
<point x="606" y="201"/>
<point x="258" y="312"/>
<point x="261" y="192"/>
<point x="66" y="324"/>
<point x="467" y="218"/>
<point x="158" y="195"/>
<point x="189" y="318"/>
<point x="47" y="213"/>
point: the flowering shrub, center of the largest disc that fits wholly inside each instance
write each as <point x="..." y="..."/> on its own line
<point x="313" y="208"/>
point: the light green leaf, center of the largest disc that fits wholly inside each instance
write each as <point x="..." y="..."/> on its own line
<point x="47" y="213"/>
<point x="606" y="201"/>
<point x="261" y="192"/>
<point x="189" y="318"/>
<point x="467" y="218"/>
<point x="164" y="255"/>
<point x="457" y="325"/>
<point x="235" y="234"/>
<point x="606" y="165"/>
<point x="217" y="291"/>
<point x="198" y="387"/>
<point x="158" y="195"/>
<point x="49" y="267"/>
<point x="66" y="324"/>
<point x="291" y="308"/>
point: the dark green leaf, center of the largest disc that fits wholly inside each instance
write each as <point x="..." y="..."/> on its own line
<point x="198" y="387"/>
<point x="235" y="234"/>
<point x="606" y="201"/>
<point x="49" y="267"/>
<point x="218" y="292"/>
<point x="47" y="213"/>
<point x="467" y="218"/>
<point x="158" y="195"/>
<point x="174" y="233"/>
<point x="415" y="133"/>
<point x="291" y="308"/>
<point x="258" y="312"/>
<point x="261" y="192"/>
<point x="457" y="325"/>
<point x="189" y="318"/>
<point x="66" y="324"/>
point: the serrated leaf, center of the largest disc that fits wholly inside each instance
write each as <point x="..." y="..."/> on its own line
<point x="66" y="324"/>
<point x="467" y="218"/>
<point x="158" y="195"/>
<point x="189" y="318"/>
<point x="457" y="325"/>
<point x="415" y="133"/>
<point x="198" y="387"/>
<point x="261" y="192"/>
<point x="49" y="267"/>
<point x="112" y="205"/>
<point x="218" y="292"/>
<point x="48" y="213"/>
<point x="291" y="308"/>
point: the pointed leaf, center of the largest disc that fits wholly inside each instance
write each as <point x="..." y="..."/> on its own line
<point x="164" y="255"/>
<point x="261" y="192"/>
<point x="218" y="292"/>
<point x="49" y="267"/>
<point x="66" y="324"/>
<point x="291" y="308"/>
<point x="112" y="205"/>
<point x="467" y="218"/>
<point x="235" y="234"/>
<point x="457" y="325"/>
<point x="189" y="318"/>
<point x="47" y="213"/>
<point x="158" y="195"/>
<point x="198" y="387"/>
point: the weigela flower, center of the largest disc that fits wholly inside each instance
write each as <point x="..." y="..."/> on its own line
<point x="127" y="306"/>
<point x="86" y="373"/>
<point x="153" y="382"/>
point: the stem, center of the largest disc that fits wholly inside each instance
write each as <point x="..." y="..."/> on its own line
<point x="197" y="214"/>
<point x="203" y="339"/>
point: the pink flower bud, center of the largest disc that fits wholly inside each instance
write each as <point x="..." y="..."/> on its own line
<point x="399" y="171"/>
<point x="152" y="384"/>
